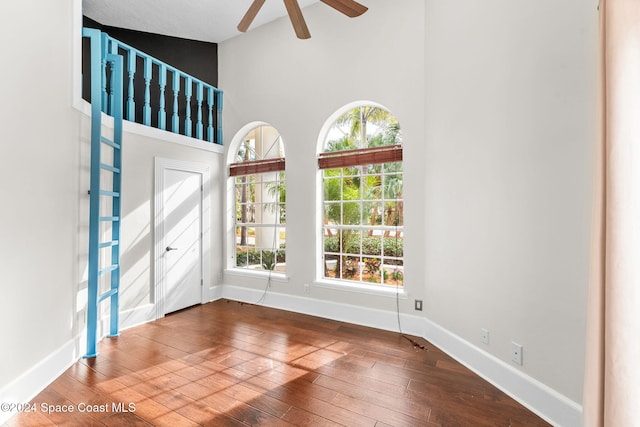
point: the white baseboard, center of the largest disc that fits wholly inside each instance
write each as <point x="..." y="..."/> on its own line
<point x="379" y="319"/>
<point x="547" y="403"/>
<point x="137" y="316"/>
<point x="24" y="388"/>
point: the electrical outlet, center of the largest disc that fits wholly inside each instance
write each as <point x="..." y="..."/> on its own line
<point x="484" y="336"/>
<point x="418" y="305"/>
<point x="307" y="288"/>
<point x="516" y="353"/>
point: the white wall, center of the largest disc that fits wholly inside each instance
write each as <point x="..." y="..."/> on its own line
<point x="39" y="190"/>
<point x="510" y="126"/>
<point x="497" y="102"/>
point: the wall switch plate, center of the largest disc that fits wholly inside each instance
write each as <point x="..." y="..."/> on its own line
<point x="418" y="305"/>
<point x="516" y="353"/>
<point x="484" y="336"/>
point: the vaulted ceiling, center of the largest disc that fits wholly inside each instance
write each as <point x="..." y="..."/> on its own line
<point x="205" y="20"/>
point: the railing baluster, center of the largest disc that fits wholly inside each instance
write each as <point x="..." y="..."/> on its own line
<point x="210" y="126"/>
<point x="187" y="94"/>
<point x="175" y="119"/>
<point x="146" y="111"/>
<point x="162" y="114"/>
<point x="103" y="64"/>
<point x="219" y="120"/>
<point x="113" y="49"/>
<point x="131" y="69"/>
<point x="199" y="121"/>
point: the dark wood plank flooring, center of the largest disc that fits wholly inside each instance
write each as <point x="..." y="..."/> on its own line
<point x="232" y="364"/>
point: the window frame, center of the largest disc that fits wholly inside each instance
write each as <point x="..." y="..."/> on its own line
<point x="363" y="158"/>
<point x="255" y="169"/>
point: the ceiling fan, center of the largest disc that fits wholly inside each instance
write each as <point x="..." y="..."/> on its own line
<point x="351" y="8"/>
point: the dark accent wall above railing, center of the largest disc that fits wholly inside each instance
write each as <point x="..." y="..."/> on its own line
<point x="163" y="94"/>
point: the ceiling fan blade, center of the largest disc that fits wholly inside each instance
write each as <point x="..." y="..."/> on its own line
<point x="248" y="17"/>
<point x="350" y="8"/>
<point x="295" y="14"/>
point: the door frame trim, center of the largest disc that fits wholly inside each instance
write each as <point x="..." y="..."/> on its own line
<point x="162" y="164"/>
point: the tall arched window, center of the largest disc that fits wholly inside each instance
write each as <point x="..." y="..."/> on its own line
<point x="259" y="194"/>
<point x="362" y="230"/>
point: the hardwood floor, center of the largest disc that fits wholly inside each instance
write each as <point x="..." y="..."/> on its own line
<point x="232" y="364"/>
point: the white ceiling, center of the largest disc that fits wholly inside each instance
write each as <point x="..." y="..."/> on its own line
<point x="205" y="20"/>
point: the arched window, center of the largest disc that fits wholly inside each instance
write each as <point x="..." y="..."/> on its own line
<point x="259" y="194"/>
<point x="362" y="230"/>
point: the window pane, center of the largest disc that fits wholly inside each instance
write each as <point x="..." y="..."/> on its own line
<point x="351" y="241"/>
<point x="372" y="187"/>
<point x="332" y="213"/>
<point x="241" y="258"/>
<point x="372" y="245"/>
<point x="372" y="213"/>
<point x="282" y="213"/>
<point x="393" y="246"/>
<point x="331" y="172"/>
<point x="392" y="167"/>
<point x="393" y="186"/>
<point x="351" y="213"/>
<point x="351" y="188"/>
<point x="350" y="267"/>
<point x="371" y="269"/>
<point x="332" y="189"/>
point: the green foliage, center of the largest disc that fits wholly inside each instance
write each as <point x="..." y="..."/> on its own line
<point x="350" y="266"/>
<point x="397" y="275"/>
<point x="393" y="247"/>
<point x="252" y="257"/>
<point x="268" y="260"/>
<point x="370" y="246"/>
<point x="372" y="264"/>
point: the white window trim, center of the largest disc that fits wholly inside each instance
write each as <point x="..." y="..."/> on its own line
<point x="263" y="274"/>
<point x="363" y="288"/>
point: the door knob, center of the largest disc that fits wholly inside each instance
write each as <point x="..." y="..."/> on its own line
<point x="169" y="249"/>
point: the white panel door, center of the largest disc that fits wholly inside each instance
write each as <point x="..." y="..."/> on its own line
<point x="182" y="218"/>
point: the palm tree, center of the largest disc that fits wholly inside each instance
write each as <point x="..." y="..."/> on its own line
<point x="358" y="118"/>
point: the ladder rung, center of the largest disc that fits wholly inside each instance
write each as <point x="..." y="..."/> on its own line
<point x="109" y="193"/>
<point x="109" y="142"/>
<point x="109" y="244"/>
<point x="108" y="269"/>
<point x="109" y="168"/>
<point x="107" y="294"/>
<point x="109" y="218"/>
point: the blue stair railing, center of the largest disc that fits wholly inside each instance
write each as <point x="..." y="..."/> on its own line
<point x="104" y="191"/>
<point x="186" y="94"/>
